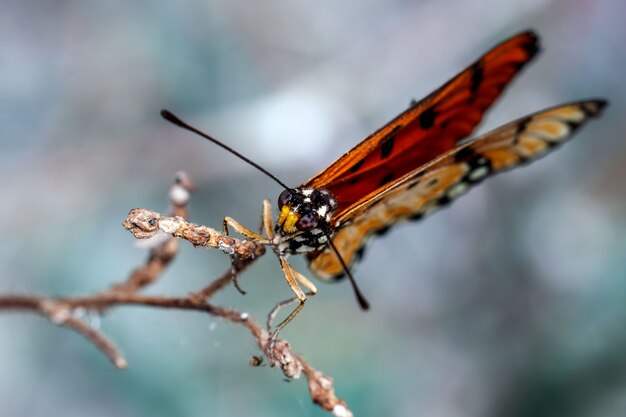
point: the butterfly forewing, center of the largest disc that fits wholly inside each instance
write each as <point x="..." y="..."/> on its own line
<point x="440" y="181"/>
<point x="428" y="128"/>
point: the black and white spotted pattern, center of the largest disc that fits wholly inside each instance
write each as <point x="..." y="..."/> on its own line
<point x="320" y="203"/>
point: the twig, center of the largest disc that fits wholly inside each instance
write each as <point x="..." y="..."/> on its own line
<point x="61" y="310"/>
<point x="322" y="391"/>
<point x="162" y="252"/>
<point x="144" y="224"/>
<point x="98" y="339"/>
<point x="62" y="314"/>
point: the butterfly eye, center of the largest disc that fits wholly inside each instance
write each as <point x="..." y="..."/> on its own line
<point x="284" y="198"/>
<point x="307" y="221"/>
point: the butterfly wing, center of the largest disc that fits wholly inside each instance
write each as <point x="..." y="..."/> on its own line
<point x="440" y="181"/>
<point x="428" y="128"/>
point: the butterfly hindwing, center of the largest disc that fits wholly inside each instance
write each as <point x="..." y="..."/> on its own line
<point x="442" y="180"/>
<point x="428" y="128"/>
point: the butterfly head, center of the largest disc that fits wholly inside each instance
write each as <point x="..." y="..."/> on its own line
<point x="305" y="211"/>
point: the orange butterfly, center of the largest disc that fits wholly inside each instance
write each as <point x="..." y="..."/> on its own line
<point x="410" y="167"/>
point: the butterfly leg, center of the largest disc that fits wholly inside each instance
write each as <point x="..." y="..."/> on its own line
<point x="248" y="234"/>
<point x="293" y="284"/>
<point x="272" y="315"/>
<point x="244" y="231"/>
<point x="312" y="290"/>
<point x="293" y="277"/>
<point x="306" y="282"/>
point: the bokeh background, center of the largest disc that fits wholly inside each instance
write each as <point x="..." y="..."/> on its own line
<point x="510" y="303"/>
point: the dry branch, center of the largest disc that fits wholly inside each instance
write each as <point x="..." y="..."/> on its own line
<point x="165" y="231"/>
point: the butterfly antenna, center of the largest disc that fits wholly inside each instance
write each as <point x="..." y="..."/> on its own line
<point x="170" y="117"/>
<point x="365" y="305"/>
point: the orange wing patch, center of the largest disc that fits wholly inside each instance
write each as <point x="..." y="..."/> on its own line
<point x="437" y="183"/>
<point x="428" y="128"/>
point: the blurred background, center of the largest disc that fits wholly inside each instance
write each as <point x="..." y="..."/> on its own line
<point x="510" y="303"/>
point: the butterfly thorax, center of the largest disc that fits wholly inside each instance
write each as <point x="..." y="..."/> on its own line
<point x="304" y="222"/>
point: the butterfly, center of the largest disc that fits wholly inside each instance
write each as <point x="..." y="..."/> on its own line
<point x="415" y="164"/>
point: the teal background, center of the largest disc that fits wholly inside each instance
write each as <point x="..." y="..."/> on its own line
<point x="510" y="303"/>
